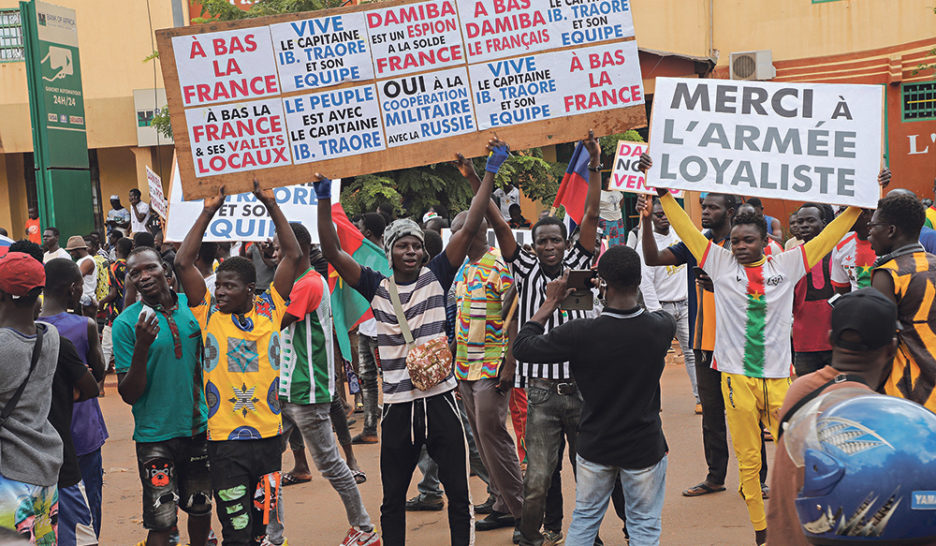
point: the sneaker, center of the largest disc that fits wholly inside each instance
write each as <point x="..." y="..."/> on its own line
<point x="266" y="542"/>
<point x="419" y="504"/>
<point x="361" y="538"/>
<point x="486" y="507"/>
<point x="552" y="538"/>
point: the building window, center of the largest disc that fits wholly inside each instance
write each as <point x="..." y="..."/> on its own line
<point x="11" y="36"/>
<point x="919" y="101"/>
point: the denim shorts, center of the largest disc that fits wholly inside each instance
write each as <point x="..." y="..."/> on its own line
<point x="175" y="474"/>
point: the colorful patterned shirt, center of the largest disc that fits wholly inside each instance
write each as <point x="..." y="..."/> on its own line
<point x="480" y="336"/>
<point x="308" y="372"/>
<point x="118" y="276"/>
<point x="852" y="262"/>
<point x="241" y="368"/>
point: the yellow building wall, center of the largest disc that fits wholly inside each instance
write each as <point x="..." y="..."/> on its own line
<point x="792" y="29"/>
<point x="114" y="37"/>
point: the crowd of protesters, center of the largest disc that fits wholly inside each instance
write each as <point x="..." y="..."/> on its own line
<point x="821" y="339"/>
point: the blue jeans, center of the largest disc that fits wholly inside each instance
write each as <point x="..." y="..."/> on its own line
<point x="92" y="474"/>
<point x="643" y="497"/>
<point x="680" y="312"/>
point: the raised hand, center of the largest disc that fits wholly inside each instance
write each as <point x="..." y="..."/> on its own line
<point x="594" y="150"/>
<point x="212" y="204"/>
<point x="464" y="166"/>
<point x="264" y="196"/>
<point x="498" y="152"/>
<point x="884" y="177"/>
<point x="322" y="186"/>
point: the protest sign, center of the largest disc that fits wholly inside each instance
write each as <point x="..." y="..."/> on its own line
<point x="625" y="172"/>
<point x="804" y="142"/>
<point x="242" y="217"/>
<point x="523" y="237"/>
<point x="157" y="199"/>
<point x="403" y="83"/>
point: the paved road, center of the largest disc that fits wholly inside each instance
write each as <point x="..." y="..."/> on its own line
<point x="315" y="516"/>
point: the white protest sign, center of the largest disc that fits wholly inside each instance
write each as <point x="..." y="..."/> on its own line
<point x="236" y="61"/>
<point x="157" y="199"/>
<point x="502" y="28"/>
<point x="523" y="237"/>
<point x="242" y="217"/>
<point x="426" y="106"/>
<point x="557" y="84"/>
<point x="319" y="52"/>
<point x="625" y="173"/>
<point x="798" y="141"/>
<point x="415" y="37"/>
<point x="333" y="124"/>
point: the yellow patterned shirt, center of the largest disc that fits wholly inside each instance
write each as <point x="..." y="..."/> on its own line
<point x="241" y="368"/>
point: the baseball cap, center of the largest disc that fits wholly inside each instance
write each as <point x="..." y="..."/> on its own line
<point x="869" y="313"/>
<point x="75" y="242"/>
<point x="20" y="273"/>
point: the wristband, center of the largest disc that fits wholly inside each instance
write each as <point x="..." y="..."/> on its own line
<point x="322" y="188"/>
<point x="496" y="158"/>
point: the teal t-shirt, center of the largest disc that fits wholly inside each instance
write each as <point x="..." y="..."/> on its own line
<point x="173" y="404"/>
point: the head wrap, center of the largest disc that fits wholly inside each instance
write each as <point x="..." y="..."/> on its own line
<point x="396" y="230"/>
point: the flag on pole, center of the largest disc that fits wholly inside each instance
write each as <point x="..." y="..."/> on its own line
<point x="349" y="307"/>
<point x="574" y="186"/>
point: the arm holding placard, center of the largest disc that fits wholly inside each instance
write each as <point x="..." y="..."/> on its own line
<point x="344" y="264"/>
<point x="652" y="255"/>
<point x="457" y="247"/>
<point x="679" y="220"/>
<point x="505" y="237"/>
<point x="588" y="231"/>
<point x="193" y="284"/>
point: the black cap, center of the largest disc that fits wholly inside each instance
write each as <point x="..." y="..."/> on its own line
<point x="869" y="313"/>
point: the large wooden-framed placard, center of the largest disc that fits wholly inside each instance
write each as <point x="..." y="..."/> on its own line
<point x="362" y="89"/>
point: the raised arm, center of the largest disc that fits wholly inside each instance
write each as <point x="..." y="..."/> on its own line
<point x="344" y="264"/>
<point x="288" y="268"/>
<point x="457" y="246"/>
<point x="505" y="237"/>
<point x="679" y="220"/>
<point x="588" y="232"/>
<point x="193" y="284"/>
<point x="820" y="245"/>
<point x="652" y="255"/>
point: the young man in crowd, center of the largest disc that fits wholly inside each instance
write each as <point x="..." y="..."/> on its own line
<point x="50" y="244"/>
<point x="794" y="240"/>
<point x="717" y="211"/>
<point x="113" y="303"/>
<point x="853" y="258"/>
<point x="480" y="353"/>
<point x="307" y="386"/>
<point x="78" y="250"/>
<point x="414" y="417"/>
<point x="32" y="449"/>
<point x="753" y="354"/>
<point x="555" y="406"/>
<point x="621" y="434"/>
<point x="33" y="232"/>
<point x="63" y="292"/>
<point x="862" y="334"/>
<point x="372" y="226"/>
<point x="811" y="310"/>
<point x="63" y="289"/>
<point x="139" y="212"/>
<point x="905" y="273"/>
<point x="157" y="348"/>
<point x="666" y="288"/>
<point x="118" y="217"/>
<point x="240" y="331"/>
<point x="774" y="229"/>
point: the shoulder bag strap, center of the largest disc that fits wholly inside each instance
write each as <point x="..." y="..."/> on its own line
<point x="11" y="403"/>
<point x="398" y="309"/>
<point x="841" y="378"/>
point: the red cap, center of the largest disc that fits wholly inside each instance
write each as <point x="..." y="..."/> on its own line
<point x="20" y="273"/>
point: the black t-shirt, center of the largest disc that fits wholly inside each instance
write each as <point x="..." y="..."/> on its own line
<point x="69" y="370"/>
<point x="617" y="360"/>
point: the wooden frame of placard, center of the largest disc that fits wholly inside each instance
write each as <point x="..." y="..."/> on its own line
<point x="522" y="136"/>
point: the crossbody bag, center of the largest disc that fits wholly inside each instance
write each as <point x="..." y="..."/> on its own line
<point x="428" y="363"/>
<point x="11" y="403"/>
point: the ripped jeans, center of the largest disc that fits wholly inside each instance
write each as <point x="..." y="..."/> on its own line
<point x="245" y="477"/>
<point x="174" y="474"/>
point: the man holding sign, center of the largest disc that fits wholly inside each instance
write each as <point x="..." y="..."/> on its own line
<point x="752" y="349"/>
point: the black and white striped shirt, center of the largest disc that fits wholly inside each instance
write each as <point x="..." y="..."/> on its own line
<point x="531" y="285"/>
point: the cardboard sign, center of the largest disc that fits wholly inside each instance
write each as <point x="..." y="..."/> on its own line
<point x="362" y="89"/>
<point x="797" y="141"/>
<point x="157" y="199"/>
<point x="242" y="217"/>
<point x="523" y="237"/>
<point x="625" y="173"/>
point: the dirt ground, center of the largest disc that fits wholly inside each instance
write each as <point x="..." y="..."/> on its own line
<point x="315" y="516"/>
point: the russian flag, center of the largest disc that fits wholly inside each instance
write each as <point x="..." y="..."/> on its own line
<point x="5" y="243"/>
<point x="574" y="186"/>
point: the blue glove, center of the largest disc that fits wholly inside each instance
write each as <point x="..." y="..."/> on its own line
<point x="322" y="188"/>
<point x="496" y="158"/>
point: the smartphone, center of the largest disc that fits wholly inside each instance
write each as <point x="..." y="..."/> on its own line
<point x="582" y="298"/>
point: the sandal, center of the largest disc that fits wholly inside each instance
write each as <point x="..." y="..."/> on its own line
<point x="702" y="488"/>
<point x="359" y="476"/>
<point x="290" y="479"/>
